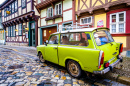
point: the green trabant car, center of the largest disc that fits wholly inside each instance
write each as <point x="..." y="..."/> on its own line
<point x="92" y="50"/>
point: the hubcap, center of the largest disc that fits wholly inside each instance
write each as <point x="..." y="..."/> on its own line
<point x="41" y="58"/>
<point x="73" y="68"/>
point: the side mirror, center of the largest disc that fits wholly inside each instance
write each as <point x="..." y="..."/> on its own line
<point x="45" y="43"/>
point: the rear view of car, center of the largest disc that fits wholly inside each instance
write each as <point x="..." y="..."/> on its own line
<point x="110" y="51"/>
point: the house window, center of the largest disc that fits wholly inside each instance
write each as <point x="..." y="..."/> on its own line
<point x="20" y="29"/>
<point x="23" y="3"/>
<point x="14" y="27"/>
<point x="9" y="32"/>
<point x="12" y="7"/>
<point x="16" y="5"/>
<point x="49" y="12"/>
<point x="86" y="20"/>
<point x="117" y="22"/>
<point x="58" y="9"/>
<point x="5" y="12"/>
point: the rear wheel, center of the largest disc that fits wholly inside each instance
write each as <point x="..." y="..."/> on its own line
<point x="74" y="68"/>
<point x="41" y="57"/>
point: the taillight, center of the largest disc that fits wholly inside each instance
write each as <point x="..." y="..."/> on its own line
<point x="106" y="65"/>
<point x="121" y="49"/>
<point x="101" y="60"/>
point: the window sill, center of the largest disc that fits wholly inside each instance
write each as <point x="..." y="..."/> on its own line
<point x="50" y="18"/>
<point x="54" y="17"/>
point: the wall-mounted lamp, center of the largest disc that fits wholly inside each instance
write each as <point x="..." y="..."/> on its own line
<point x="27" y="29"/>
<point x="16" y="30"/>
<point x="6" y="31"/>
<point x="7" y="10"/>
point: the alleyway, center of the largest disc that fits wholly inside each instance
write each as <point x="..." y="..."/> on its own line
<point x="19" y="69"/>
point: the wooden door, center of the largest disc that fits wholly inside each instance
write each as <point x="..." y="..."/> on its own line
<point x="47" y="32"/>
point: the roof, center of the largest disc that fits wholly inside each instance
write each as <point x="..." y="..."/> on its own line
<point x="80" y="30"/>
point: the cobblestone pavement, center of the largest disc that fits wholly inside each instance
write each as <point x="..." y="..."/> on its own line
<point x="19" y="69"/>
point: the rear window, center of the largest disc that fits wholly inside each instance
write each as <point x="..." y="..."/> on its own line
<point x="103" y="37"/>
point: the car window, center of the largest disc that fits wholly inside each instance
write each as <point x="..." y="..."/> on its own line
<point x="54" y="39"/>
<point x="77" y="39"/>
<point x="102" y="37"/>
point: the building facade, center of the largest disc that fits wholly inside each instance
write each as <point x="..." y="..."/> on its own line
<point x="2" y="32"/>
<point x="53" y="14"/>
<point x="20" y="21"/>
<point x="113" y="14"/>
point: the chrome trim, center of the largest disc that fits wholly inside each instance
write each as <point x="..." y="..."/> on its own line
<point x="108" y="68"/>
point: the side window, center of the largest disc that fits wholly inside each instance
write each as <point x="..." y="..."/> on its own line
<point x="77" y="39"/>
<point x="54" y="39"/>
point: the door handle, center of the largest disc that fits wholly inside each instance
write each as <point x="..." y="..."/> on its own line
<point x="54" y="47"/>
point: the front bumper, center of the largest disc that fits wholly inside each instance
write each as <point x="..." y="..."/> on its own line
<point x="108" y="68"/>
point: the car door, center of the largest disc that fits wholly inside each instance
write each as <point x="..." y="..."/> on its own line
<point x="51" y="49"/>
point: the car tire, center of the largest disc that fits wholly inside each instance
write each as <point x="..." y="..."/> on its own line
<point x="41" y="57"/>
<point x="74" y="69"/>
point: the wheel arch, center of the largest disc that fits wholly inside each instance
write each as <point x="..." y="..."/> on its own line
<point x="74" y="59"/>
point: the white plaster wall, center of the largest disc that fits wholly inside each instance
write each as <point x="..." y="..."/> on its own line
<point x="19" y="11"/>
<point x="24" y="10"/>
<point x="43" y="13"/>
<point x="12" y="16"/>
<point x="57" y="20"/>
<point x="38" y="22"/>
<point x="67" y="15"/>
<point x="16" y="15"/>
<point x="28" y="7"/>
<point x="50" y="22"/>
<point x="36" y="11"/>
<point x="19" y="3"/>
<point x="67" y="4"/>
<point x="43" y="22"/>
<point x="2" y="19"/>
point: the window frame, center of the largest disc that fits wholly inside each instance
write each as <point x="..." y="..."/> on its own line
<point x="48" y="12"/>
<point x="85" y="18"/>
<point x="20" y="29"/>
<point x="117" y="22"/>
<point x="69" y="38"/>
<point x="9" y="31"/>
<point x="58" y="8"/>
<point x="54" y="35"/>
<point x="12" y="8"/>
<point x="22" y="4"/>
<point x="17" y="5"/>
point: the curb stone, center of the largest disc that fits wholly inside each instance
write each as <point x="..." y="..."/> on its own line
<point x="118" y="78"/>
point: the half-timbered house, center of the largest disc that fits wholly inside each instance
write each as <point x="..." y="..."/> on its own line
<point x="53" y="14"/>
<point x="20" y="21"/>
<point x="113" y="14"/>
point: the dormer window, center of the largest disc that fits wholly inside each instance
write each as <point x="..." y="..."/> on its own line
<point x="49" y="12"/>
<point x="58" y="9"/>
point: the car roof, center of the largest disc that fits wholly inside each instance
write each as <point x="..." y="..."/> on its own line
<point x="80" y="30"/>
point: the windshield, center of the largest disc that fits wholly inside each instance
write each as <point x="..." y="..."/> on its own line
<point x="103" y="37"/>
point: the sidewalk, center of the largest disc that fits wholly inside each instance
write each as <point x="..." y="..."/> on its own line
<point x="122" y="69"/>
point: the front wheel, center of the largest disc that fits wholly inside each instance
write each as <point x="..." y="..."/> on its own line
<point x="74" y="68"/>
<point x="41" y="57"/>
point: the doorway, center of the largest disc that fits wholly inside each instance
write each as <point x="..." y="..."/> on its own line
<point x="47" y="32"/>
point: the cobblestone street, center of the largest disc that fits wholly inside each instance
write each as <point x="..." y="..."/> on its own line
<point x="20" y="69"/>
